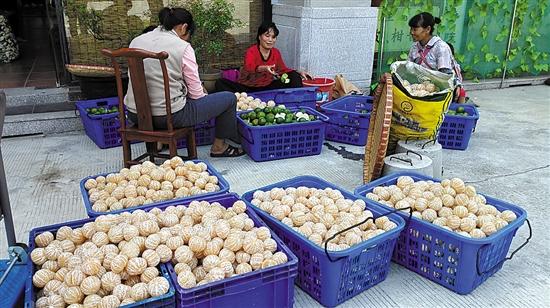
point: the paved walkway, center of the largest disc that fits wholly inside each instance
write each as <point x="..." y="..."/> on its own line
<point x="508" y="158"/>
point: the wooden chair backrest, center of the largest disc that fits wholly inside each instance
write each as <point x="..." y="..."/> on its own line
<point x="136" y="72"/>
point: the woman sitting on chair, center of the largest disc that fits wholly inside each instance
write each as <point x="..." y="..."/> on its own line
<point x="264" y="68"/>
<point x="190" y="105"/>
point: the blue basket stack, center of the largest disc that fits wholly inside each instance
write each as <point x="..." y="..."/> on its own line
<point x="349" y="118"/>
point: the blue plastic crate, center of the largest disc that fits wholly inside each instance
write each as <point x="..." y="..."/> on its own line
<point x="102" y="129"/>
<point x="355" y="269"/>
<point x="349" y="118"/>
<point x="166" y="300"/>
<point x="263" y="143"/>
<point x="12" y="288"/>
<point x="270" y="287"/>
<point x="204" y="134"/>
<point x="224" y="188"/>
<point x="291" y="97"/>
<point x="455" y="131"/>
<point x="456" y="262"/>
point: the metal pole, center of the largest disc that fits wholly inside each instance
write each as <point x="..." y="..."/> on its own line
<point x="5" y="209"/>
<point x="509" y="44"/>
<point x="14" y="259"/>
<point x="380" y="56"/>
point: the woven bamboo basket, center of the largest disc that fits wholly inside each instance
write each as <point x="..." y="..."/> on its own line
<point x="379" y="131"/>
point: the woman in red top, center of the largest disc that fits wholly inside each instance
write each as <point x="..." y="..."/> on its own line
<point x="264" y="68"/>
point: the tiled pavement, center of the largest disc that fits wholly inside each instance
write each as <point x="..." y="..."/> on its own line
<point x="508" y="158"/>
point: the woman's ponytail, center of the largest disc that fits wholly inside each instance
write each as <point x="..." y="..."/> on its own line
<point x="424" y="20"/>
<point x="171" y="17"/>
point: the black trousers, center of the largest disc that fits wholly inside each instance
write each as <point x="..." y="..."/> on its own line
<point x="231" y="86"/>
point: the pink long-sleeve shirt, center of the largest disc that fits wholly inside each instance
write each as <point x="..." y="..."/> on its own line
<point x="190" y="70"/>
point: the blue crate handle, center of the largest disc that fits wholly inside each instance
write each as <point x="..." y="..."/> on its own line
<point x="360" y="223"/>
<point x="480" y="273"/>
<point x="250" y="133"/>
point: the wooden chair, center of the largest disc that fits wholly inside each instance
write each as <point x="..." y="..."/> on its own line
<point x="144" y="131"/>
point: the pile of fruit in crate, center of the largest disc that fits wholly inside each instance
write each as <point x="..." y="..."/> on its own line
<point x="222" y="242"/>
<point x="460" y="111"/>
<point x="275" y="115"/>
<point x="113" y="260"/>
<point x="318" y="214"/>
<point x="246" y="102"/>
<point x="101" y="110"/>
<point x="100" y="263"/>
<point x="420" y="89"/>
<point x="147" y="183"/>
<point x="450" y="204"/>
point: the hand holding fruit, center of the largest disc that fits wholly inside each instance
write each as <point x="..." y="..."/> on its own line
<point x="267" y="68"/>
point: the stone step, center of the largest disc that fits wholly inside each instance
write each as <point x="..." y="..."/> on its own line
<point x="30" y="100"/>
<point x="41" y="123"/>
<point x="496" y="83"/>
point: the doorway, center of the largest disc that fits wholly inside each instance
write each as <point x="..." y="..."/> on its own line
<point x="40" y="65"/>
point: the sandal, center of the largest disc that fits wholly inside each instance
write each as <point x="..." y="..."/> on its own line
<point x="231" y="151"/>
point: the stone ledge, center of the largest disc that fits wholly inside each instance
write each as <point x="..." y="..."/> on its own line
<point x="511" y="82"/>
<point x="31" y="95"/>
<point x="46" y="123"/>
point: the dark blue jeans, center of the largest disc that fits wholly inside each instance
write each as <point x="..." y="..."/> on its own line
<point x="221" y="105"/>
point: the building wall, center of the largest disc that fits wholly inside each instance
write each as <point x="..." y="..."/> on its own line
<point x="93" y="25"/>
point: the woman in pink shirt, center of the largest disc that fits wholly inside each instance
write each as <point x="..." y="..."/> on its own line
<point x="190" y="105"/>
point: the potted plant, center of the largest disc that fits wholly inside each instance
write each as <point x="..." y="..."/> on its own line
<point x="212" y="19"/>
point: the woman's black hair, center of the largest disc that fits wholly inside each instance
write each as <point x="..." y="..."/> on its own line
<point x="264" y="27"/>
<point x="171" y="17"/>
<point x="149" y="29"/>
<point x="424" y="20"/>
<point x="452" y="48"/>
